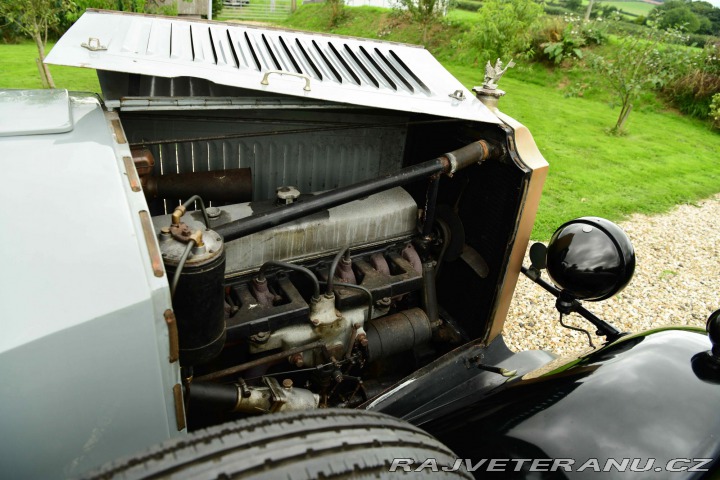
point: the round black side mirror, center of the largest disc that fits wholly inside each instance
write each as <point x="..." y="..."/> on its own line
<point x="590" y="258"/>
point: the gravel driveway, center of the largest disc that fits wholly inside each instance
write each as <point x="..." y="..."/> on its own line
<point x="677" y="281"/>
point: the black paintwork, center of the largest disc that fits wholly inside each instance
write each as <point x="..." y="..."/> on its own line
<point x="639" y="397"/>
<point x="590" y="258"/>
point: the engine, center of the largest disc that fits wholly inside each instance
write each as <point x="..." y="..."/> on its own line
<point x="299" y="282"/>
<point x="320" y="302"/>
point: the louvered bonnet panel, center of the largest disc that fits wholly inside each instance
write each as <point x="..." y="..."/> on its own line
<point x="344" y="70"/>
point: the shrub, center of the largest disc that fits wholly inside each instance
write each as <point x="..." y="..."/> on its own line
<point x="557" y="39"/>
<point x="715" y="110"/>
<point x="574" y="5"/>
<point x="556" y="11"/>
<point x="470" y="5"/>
<point x="694" y="91"/>
<point x="503" y="30"/>
<point x="424" y="12"/>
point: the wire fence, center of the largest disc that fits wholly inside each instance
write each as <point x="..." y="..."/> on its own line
<point x="257" y="10"/>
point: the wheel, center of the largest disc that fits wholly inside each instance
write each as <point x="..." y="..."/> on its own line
<point x="314" y="444"/>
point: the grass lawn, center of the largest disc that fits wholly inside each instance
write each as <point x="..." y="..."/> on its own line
<point x="665" y="159"/>
<point x="629" y="6"/>
<point x="20" y="71"/>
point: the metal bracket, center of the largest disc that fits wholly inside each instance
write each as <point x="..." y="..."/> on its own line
<point x="278" y="395"/>
<point x="172" y="335"/>
<point x="265" y="81"/>
<point x="458" y="95"/>
<point x="476" y="362"/>
<point x="93" y="44"/>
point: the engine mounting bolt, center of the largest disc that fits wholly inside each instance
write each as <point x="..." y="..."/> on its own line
<point x="287" y="384"/>
<point x="338" y="376"/>
<point x="384" y="302"/>
<point x="297" y="360"/>
<point x="165" y="230"/>
<point x="362" y="339"/>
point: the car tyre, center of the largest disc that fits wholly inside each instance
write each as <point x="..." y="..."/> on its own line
<point x="315" y="444"/>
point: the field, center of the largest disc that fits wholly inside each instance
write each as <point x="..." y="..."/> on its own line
<point x="664" y="160"/>
<point x="20" y="71"/>
<point x="632" y="7"/>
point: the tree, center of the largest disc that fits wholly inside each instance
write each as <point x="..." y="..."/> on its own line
<point x="425" y="12"/>
<point x="707" y="15"/>
<point x="503" y="29"/>
<point x="35" y="18"/>
<point x="588" y="11"/>
<point x="637" y="63"/>
<point x="573" y="5"/>
<point x="680" y="17"/>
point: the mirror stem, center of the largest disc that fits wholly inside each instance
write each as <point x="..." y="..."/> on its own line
<point x="603" y="328"/>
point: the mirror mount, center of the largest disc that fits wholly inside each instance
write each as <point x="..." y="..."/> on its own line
<point x="589" y="259"/>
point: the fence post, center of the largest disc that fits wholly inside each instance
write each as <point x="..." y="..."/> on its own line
<point x="293" y="5"/>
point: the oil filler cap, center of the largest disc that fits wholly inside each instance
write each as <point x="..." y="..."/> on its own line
<point x="287" y="195"/>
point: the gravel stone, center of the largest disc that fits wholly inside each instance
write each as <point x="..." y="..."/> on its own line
<point x="676" y="282"/>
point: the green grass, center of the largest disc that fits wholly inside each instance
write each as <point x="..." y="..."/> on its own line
<point x="636" y="8"/>
<point x="664" y="160"/>
<point x="20" y="71"/>
<point x="632" y="7"/>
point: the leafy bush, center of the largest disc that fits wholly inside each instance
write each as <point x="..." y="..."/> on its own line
<point x="694" y="90"/>
<point x="695" y="39"/>
<point x="217" y="7"/>
<point x="9" y="31"/>
<point x="715" y="110"/>
<point x="424" y="12"/>
<point x="556" y="11"/>
<point x="503" y="30"/>
<point x="469" y="5"/>
<point x="574" y="5"/>
<point x="557" y="39"/>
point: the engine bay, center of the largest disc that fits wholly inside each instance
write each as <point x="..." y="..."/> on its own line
<point x="298" y="284"/>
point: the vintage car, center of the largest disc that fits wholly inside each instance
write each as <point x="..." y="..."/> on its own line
<point x="289" y="255"/>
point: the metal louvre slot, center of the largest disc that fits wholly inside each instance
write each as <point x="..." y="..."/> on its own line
<point x="239" y="47"/>
<point x="263" y="62"/>
<point x="394" y="70"/>
<point x="222" y="48"/>
<point x="308" y="55"/>
<point x="329" y="65"/>
<point x="180" y="42"/>
<point x="137" y="37"/>
<point x="290" y="56"/>
<point x="202" y="46"/>
<point x="363" y="68"/>
<point x="159" y="40"/>
<point x="271" y="53"/>
<point x="410" y="72"/>
<point x="379" y="69"/>
<point x="343" y="62"/>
